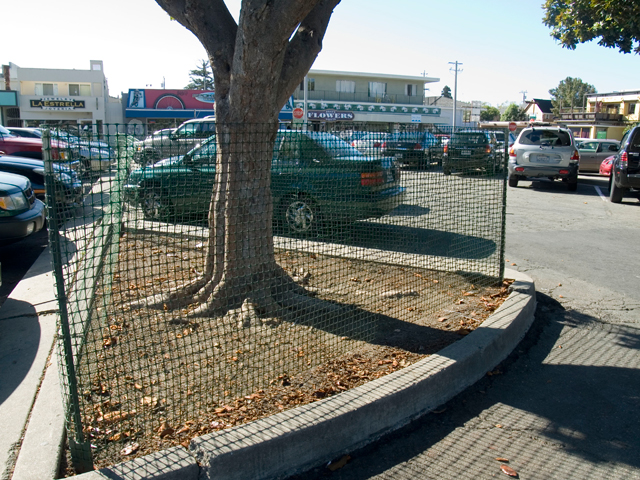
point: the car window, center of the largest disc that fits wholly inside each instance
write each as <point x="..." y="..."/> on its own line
<point x="634" y="144"/>
<point x="205" y="155"/>
<point x="5" y="132"/>
<point x="587" y="146"/>
<point x="470" y="138"/>
<point x="333" y="146"/>
<point x="609" y="147"/>
<point x="552" y="138"/>
<point x="289" y="147"/>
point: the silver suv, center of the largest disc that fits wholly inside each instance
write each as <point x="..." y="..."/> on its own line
<point x="544" y="152"/>
<point x="179" y="142"/>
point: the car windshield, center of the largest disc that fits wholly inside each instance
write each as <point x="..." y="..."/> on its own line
<point x="469" y="138"/>
<point x="415" y="137"/>
<point x="5" y="132"/>
<point x="551" y="138"/>
<point x="499" y="136"/>
<point x="334" y="146"/>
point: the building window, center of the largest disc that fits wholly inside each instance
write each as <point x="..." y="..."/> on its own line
<point x="46" y="89"/>
<point x="311" y="84"/>
<point x="411" y="90"/>
<point x="377" y="89"/>
<point x="347" y="86"/>
<point x="632" y="108"/>
<point x="79" y="90"/>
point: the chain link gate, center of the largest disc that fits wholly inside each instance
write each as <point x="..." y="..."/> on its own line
<point x="174" y="306"/>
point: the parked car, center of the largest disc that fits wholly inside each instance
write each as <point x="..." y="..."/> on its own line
<point x="11" y="144"/>
<point x="185" y="137"/>
<point x="28" y="132"/>
<point x="313" y="174"/>
<point x="414" y="148"/>
<point x="544" y="152"/>
<point x="67" y="184"/>
<point x="94" y="155"/>
<point x="21" y="213"/>
<point x="370" y="143"/>
<point x="593" y="151"/>
<point x="471" y="150"/>
<point x="625" y="170"/>
<point x="605" y="166"/>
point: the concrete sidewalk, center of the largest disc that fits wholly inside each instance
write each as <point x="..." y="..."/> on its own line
<point x="29" y="385"/>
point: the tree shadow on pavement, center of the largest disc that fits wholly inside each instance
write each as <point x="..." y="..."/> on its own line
<point x="570" y="388"/>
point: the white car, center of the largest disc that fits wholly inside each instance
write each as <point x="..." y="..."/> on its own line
<point x="544" y="152"/>
<point x="371" y="143"/>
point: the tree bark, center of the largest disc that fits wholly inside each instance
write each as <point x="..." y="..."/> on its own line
<point x="256" y="64"/>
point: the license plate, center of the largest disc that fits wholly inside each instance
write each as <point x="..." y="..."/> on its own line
<point x="399" y="155"/>
<point x="389" y="176"/>
<point x="542" y="159"/>
<point x="466" y="153"/>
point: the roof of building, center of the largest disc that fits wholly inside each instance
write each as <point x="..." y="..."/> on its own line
<point x="545" y="106"/>
<point x="414" y="78"/>
<point x="442" y="101"/>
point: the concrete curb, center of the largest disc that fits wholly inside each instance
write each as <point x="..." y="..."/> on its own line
<point x="296" y="440"/>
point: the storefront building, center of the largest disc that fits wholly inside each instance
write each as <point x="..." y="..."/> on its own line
<point x="380" y="100"/>
<point x="149" y="110"/>
<point x="61" y="97"/>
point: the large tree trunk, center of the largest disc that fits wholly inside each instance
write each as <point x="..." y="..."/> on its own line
<point x="256" y="64"/>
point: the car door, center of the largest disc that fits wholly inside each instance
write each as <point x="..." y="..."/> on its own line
<point x="286" y="165"/>
<point x="588" y="156"/>
<point x="606" y="149"/>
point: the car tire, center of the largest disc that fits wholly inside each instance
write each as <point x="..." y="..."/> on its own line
<point x="154" y="204"/>
<point x="513" y="181"/>
<point x="572" y="185"/>
<point x="615" y="193"/>
<point x="299" y="215"/>
<point x="446" y="169"/>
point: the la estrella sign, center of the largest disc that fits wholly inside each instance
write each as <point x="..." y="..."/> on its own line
<point x="57" y="103"/>
<point x="329" y="115"/>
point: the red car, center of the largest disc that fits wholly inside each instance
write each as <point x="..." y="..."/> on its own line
<point x="605" y="166"/>
<point x="11" y="144"/>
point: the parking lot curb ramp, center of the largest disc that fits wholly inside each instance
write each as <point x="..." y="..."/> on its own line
<point x="296" y="440"/>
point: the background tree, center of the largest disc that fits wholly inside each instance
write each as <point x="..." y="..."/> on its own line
<point x="257" y="63"/>
<point x="513" y="113"/>
<point x="615" y="22"/>
<point x="201" y="77"/>
<point x="446" y="92"/>
<point x="570" y="93"/>
<point x="489" y="114"/>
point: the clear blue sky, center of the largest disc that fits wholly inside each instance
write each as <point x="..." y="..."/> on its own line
<point x="503" y="45"/>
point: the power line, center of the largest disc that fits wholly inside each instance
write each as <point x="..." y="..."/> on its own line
<point x="455" y="89"/>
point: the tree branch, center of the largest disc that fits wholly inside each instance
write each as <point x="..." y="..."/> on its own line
<point x="303" y="48"/>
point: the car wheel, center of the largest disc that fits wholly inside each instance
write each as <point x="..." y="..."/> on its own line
<point x="513" y="181"/>
<point x="615" y="193"/>
<point x="446" y="169"/>
<point x="572" y="185"/>
<point x="154" y="204"/>
<point x="299" y="214"/>
<point x="149" y="157"/>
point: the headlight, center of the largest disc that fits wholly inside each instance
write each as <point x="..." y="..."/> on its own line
<point x="17" y="201"/>
<point x="63" y="177"/>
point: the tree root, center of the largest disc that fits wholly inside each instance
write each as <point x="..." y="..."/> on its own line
<point x="273" y="295"/>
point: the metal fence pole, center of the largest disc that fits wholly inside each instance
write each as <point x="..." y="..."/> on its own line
<point x="79" y="448"/>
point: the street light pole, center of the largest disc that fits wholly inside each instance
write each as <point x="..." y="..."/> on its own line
<point x="455" y="90"/>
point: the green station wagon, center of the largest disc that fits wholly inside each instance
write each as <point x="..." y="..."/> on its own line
<point x="315" y="177"/>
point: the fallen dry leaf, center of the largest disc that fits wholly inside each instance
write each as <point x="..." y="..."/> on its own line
<point x="129" y="449"/>
<point x="164" y="430"/>
<point x="507" y="470"/>
<point x="333" y="466"/>
<point x="442" y="319"/>
<point x="502" y="459"/>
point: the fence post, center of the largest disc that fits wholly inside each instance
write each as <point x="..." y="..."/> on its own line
<point x="505" y="174"/>
<point x="79" y="448"/>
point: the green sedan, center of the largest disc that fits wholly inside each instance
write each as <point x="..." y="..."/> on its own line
<point x="316" y="177"/>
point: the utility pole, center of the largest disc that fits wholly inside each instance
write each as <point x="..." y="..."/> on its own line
<point x="524" y="96"/>
<point x="455" y="89"/>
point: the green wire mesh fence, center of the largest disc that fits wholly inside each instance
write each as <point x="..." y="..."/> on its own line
<point x="195" y="270"/>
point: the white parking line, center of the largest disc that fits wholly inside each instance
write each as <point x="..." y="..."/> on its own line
<point x="604" y="199"/>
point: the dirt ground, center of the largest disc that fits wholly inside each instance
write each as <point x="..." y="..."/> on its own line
<point x="153" y="379"/>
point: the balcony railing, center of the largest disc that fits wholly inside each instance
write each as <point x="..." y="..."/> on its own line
<point x="591" y="117"/>
<point x="331" y="96"/>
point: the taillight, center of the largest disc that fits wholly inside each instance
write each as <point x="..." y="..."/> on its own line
<point x="564" y="172"/>
<point x="55" y="154"/>
<point x="376" y="144"/>
<point x="624" y="160"/>
<point x="487" y="149"/>
<point x="417" y="146"/>
<point x="575" y="156"/>
<point x="512" y="152"/>
<point x="369" y="179"/>
<point x="446" y="148"/>
<point x="353" y="144"/>
<point x="384" y="144"/>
